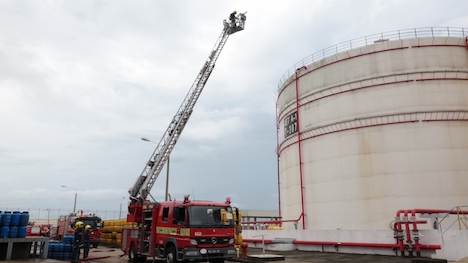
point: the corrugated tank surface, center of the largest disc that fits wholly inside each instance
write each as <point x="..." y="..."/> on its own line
<point x="375" y="125"/>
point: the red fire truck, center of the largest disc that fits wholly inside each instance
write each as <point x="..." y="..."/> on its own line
<point x="181" y="230"/>
<point x="42" y="230"/>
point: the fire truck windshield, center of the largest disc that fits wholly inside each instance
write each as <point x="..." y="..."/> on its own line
<point x="210" y="216"/>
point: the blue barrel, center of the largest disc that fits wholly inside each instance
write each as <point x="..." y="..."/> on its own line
<point x="52" y="254"/>
<point x="4" y="231"/>
<point x="15" y="218"/>
<point x="13" y="232"/>
<point x="60" y="246"/>
<point x="68" y="247"/>
<point x="24" y="219"/>
<point x="69" y="238"/>
<point x="69" y="256"/>
<point x="6" y="218"/>
<point x="22" y="231"/>
<point x="52" y="246"/>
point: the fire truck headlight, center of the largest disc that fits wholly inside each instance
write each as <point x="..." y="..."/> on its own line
<point x="191" y="253"/>
<point x="193" y="242"/>
<point x="231" y="241"/>
<point x="203" y="251"/>
<point x="231" y="252"/>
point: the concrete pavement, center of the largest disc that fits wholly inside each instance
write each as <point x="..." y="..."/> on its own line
<point x="114" y="255"/>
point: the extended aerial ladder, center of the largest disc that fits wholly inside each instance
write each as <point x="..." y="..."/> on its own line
<point x="144" y="183"/>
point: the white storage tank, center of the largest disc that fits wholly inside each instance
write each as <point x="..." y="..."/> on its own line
<point x="374" y="125"/>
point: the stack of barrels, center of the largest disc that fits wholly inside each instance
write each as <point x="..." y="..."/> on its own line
<point x="13" y="224"/>
<point x="112" y="231"/>
<point x="62" y="250"/>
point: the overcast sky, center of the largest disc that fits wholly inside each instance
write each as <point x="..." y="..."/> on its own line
<point x="82" y="81"/>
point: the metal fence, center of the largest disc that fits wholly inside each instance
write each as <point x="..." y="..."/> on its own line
<point x="52" y="215"/>
<point x="372" y="39"/>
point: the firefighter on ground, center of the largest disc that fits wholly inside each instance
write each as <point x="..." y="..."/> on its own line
<point x="86" y="234"/>
<point x="78" y="241"/>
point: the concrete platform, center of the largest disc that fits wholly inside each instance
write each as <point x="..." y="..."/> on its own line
<point x="96" y="255"/>
<point x="21" y="248"/>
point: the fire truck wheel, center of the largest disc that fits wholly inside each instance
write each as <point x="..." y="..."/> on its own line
<point x="170" y="255"/>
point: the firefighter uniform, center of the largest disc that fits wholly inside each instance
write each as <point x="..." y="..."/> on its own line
<point x="86" y="241"/>
<point x="78" y="241"/>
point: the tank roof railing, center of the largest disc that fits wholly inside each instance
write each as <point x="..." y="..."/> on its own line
<point x="372" y="39"/>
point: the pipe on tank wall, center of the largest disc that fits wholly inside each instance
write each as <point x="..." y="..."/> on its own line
<point x="428" y="211"/>
<point x="398" y="228"/>
<point x="301" y="176"/>
<point x="399" y="233"/>
<point x="416" y="234"/>
<point x="400" y="236"/>
<point x="278" y="162"/>
<point x="408" y="233"/>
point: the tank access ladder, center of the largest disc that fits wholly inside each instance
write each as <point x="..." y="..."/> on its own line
<point x="144" y="183"/>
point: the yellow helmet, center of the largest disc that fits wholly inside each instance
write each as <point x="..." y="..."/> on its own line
<point x="87" y="227"/>
<point x="235" y="11"/>
<point x="79" y="224"/>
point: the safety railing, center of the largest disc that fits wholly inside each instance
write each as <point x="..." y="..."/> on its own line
<point x="372" y="39"/>
<point x="462" y="219"/>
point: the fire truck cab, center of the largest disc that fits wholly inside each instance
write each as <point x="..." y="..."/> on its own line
<point x="180" y="231"/>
